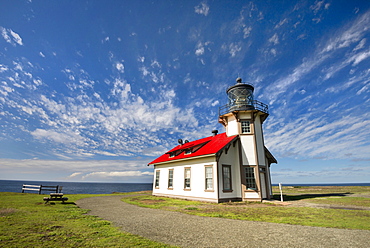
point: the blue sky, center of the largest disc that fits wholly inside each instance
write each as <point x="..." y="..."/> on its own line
<point x="94" y="90"/>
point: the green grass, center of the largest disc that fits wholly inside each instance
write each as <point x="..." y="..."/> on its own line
<point x="25" y="221"/>
<point x="267" y="212"/>
<point x="343" y="201"/>
<point x="323" y="189"/>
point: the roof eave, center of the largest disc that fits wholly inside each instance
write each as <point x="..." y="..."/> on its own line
<point x="270" y="157"/>
<point x="183" y="159"/>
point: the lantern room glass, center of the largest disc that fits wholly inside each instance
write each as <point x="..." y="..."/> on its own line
<point x="240" y="97"/>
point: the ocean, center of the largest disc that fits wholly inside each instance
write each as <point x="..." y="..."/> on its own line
<point x="108" y="188"/>
<point x="77" y="187"/>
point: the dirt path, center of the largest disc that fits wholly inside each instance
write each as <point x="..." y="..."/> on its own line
<point x="194" y="231"/>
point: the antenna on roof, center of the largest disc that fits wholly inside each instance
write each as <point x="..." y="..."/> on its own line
<point x="186" y="141"/>
<point x="180" y="141"/>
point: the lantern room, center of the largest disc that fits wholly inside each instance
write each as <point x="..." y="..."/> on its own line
<point x="240" y="96"/>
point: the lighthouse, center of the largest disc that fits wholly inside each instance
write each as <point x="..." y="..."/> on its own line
<point x="230" y="166"/>
<point x="244" y="116"/>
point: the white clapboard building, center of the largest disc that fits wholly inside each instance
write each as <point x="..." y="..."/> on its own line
<point x="231" y="166"/>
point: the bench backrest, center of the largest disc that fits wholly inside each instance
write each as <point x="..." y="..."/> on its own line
<point x="31" y="187"/>
<point x="39" y="188"/>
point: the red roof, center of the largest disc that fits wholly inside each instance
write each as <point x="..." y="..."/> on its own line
<point x="201" y="147"/>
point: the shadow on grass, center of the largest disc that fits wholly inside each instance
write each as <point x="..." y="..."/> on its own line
<point x="308" y="196"/>
<point x="64" y="203"/>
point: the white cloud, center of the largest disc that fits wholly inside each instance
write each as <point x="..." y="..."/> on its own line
<point x="16" y="37"/>
<point x="281" y="23"/>
<point x="87" y="125"/>
<point x="112" y="174"/>
<point x="200" y="50"/>
<point x="310" y="137"/>
<point x="363" y="89"/>
<point x="106" y="153"/>
<point x="58" y="137"/>
<point x="274" y="39"/>
<point x="247" y="31"/>
<point x="155" y="63"/>
<point x="11" y="37"/>
<point x="351" y="34"/>
<point x="202" y="9"/>
<point x="73" y="175"/>
<point x="120" y="67"/>
<point x="318" y="6"/>
<point x="5" y="35"/>
<point x="3" y="68"/>
<point x="360" y="57"/>
<point x="78" y="170"/>
<point x="343" y="38"/>
<point x="273" y="52"/>
<point x="282" y="84"/>
<point x="234" y="49"/>
<point x="360" y="45"/>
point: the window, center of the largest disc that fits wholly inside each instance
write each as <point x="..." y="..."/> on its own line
<point x="187" y="151"/>
<point x="170" y="178"/>
<point x="226" y="175"/>
<point x="250" y="179"/>
<point x="187" y="178"/>
<point x="246" y="127"/>
<point x="157" y="178"/>
<point x="209" y="178"/>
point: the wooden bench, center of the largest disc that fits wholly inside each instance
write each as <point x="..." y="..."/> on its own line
<point x="31" y="187"/>
<point x="56" y="189"/>
<point x="40" y="188"/>
<point x="55" y="197"/>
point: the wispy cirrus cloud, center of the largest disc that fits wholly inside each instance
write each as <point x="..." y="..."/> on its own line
<point x="11" y="37"/>
<point x="352" y="34"/>
<point x="202" y="9"/>
<point x="310" y="137"/>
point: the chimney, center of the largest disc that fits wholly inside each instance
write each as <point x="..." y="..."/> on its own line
<point x="215" y="132"/>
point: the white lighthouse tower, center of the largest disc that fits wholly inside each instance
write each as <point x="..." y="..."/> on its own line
<point x="244" y="116"/>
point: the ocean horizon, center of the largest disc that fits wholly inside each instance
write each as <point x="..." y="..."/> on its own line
<point x="108" y="188"/>
<point x="76" y="187"/>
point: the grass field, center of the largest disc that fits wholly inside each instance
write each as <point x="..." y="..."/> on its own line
<point x="25" y="221"/>
<point x="331" y="207"/>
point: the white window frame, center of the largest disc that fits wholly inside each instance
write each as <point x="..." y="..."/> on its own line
<point x="170" y="179"/>
<point x="157" y="177"/>
<point x="208" y="178"/>
<point x="187" y="178"/>
<point x="245" y="126"/>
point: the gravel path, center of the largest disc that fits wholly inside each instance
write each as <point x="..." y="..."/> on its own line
<point x="194" y="231"/>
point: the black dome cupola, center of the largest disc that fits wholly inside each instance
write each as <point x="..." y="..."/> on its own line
<point x="240" y="96"/>
<point x="241" y="99"/>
